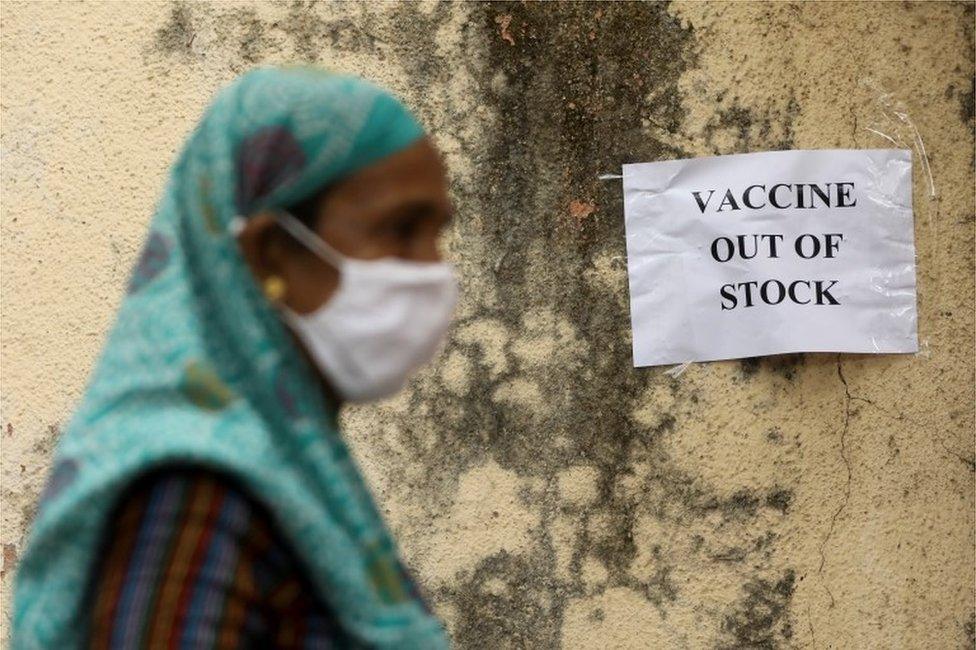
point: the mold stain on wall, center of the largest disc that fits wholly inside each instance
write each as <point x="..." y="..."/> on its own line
<point x="539" y="381"/>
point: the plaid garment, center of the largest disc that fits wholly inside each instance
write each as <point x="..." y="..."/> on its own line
<point x="191" y="562"/>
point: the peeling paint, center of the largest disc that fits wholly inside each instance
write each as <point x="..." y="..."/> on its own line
<point x="9" y="559"/>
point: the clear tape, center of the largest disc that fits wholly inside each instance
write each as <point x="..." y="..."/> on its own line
<point x="892" y="121"/>
<point x="898" y="127"/>
<point x="676" y="371"/>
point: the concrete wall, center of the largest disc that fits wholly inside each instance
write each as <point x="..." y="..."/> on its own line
<point x="547" y="493"/>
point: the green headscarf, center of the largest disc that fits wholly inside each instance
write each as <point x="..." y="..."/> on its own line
<point x="199" y="369"/>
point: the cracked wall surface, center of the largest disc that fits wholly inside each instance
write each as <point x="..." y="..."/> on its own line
<point x="545" y="492"/>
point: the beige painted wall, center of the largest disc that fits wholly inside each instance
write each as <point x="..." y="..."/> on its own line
<point x="546" y="492"/>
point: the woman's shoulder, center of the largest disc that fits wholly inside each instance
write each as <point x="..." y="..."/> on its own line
<point x="196" y="500"/>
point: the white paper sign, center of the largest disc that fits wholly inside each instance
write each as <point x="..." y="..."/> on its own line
<point x="768" y="253"/>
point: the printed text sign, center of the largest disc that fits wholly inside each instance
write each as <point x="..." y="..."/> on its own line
<point x="768" y="253"/>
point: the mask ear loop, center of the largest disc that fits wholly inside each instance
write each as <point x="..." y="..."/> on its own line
<point x="299" y="231"/>
<point x="313" y="242"/>
<point x="304" y="234"/>
<point x="236" y="225"/>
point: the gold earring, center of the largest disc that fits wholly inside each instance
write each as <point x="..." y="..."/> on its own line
<point x="274" y="288"/>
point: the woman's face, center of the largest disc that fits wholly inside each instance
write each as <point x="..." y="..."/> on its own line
<point x="397" y="207"/>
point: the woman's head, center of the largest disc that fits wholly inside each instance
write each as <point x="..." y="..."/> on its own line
<point x="391" y="317"/>
<point x="396" y="207"/>
<point x="390" y="203"/>
<point x="357" y="167"/>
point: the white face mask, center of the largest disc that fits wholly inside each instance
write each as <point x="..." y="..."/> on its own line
<point x="386" y="319"/>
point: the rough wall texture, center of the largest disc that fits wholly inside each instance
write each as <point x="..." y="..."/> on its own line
<point x="548" y="494"/>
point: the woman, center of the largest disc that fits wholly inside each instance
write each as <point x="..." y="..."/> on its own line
<point x="202" y="495"/>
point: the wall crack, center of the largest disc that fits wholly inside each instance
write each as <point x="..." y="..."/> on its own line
<point x="847" y="487"/>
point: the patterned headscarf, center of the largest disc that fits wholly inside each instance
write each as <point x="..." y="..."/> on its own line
<point x="199" y="369"/>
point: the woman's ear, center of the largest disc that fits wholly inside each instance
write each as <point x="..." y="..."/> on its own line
<point x="261" y="245"/>
<point x="303" y="281"/>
